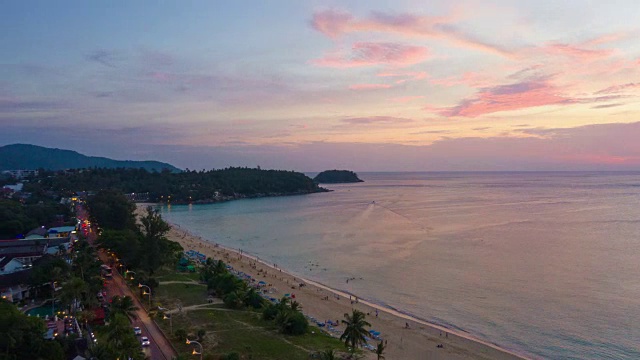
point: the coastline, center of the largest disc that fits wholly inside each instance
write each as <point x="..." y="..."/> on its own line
<point x="322" y="302"/>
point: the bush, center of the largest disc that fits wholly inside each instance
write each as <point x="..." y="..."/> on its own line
<point x="270" y="312"/>
<point x="232" y="301"/>
<point x="181" y="334"/>
<point x="232" y="356"/>
<point x="201" y="334"/>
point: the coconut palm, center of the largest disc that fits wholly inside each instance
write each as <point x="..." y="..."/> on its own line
<point x="380" y="350"/>
<point x="354" y="332"/>
<point x="72" y="292"/>
<point x="123" y="305"/>
<point x="329" y="354"/>
<point x="86" y="316"/>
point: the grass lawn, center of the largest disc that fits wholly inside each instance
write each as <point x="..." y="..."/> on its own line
<point x="246" y="333"/>
<point x="178" y="276"/>
<point x="188" y="294"/>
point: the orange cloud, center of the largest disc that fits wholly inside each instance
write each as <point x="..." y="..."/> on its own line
<point x="334" y="24"/>
<point x="370" y="54"/>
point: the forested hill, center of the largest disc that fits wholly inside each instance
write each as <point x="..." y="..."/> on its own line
<point x="336" y="177"/>
<point x="32" y="157"/>
<point x="184" y="187"/>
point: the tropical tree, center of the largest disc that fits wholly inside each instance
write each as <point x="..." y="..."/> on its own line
<point x="380" y="350"/>
<point x="123" y="305"/>
<point x="154" y="230"/>
<point x="86" y="316"/>
<point x="21" y="336"/>
<point x="122" y="340"/>
<point x="354" y="332"/>
<point x="328" y="354"/>
<point x="73" y="291"/>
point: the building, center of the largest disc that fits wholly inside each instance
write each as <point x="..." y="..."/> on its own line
<point x="21" y="174"/>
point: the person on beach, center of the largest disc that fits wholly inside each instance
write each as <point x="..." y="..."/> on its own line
<point x="376" y="313"/>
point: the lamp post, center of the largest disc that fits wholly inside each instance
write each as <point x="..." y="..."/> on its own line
<point x="165" y="317"/>
<point x="194" y="350"/>
<point x="129" y="272"/>
<point x="145" y="293"/>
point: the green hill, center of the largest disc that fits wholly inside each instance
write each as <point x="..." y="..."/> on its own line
<point x="32" y="157"/>
<point x="336" y="177"/>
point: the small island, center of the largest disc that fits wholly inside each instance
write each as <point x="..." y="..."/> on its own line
<point x="336" y="177"/>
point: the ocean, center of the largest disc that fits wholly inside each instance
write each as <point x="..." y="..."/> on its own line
<point x="543" y="264"/>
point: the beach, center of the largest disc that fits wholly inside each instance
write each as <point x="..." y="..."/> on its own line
<point x="406" y="337"/>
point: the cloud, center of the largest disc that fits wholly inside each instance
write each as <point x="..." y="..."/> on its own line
<point x="335" y="24"/>
<point x="406" y="99"/>
<point x="521" y="95"/>
<point x="430" y="132"/>
<point x="576" y="53"/>
<point x="533" y="92"/>
<point x="619" y="88"/>
<point x="481" y="128"/>
<point x="104" y="57"/>
<point x="10" y="105"/>
<point x="606" y="106"/>
<point x="376" y="120"/>
<point x="369" y="86"/>
<point x="370" y="54"/>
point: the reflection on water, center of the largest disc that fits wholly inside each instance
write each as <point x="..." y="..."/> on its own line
<point x="542" y="263"/>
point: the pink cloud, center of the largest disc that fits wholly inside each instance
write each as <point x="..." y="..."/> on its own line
<point x="618" y="88"/>
<point x="470" y="78"/>
<point x="575" y="52"/>
<point x="516" y="96"/>
<point x="376" y="120"/>
<point x="334" y="24"/>
<point x="370" y="54"/>
<point x="406" y="99"/>
<point x="369" y="86"/>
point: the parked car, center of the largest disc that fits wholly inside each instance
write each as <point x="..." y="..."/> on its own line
<point x="137" y="331"/>
<point x="145" y="341"/>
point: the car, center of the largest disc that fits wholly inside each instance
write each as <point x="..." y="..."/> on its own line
<point x="145" y="341"/>
<point x="137" y="331"/>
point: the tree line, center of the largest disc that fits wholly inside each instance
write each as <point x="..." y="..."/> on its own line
<point x="184" y="187"/>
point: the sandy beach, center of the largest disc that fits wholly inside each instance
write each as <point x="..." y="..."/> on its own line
<point x="419" y="341"/>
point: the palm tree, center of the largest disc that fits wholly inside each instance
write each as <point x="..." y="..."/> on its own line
<point x="380" y="350"/>
<point x="123" y="305"/>
<point x="72" y="292"/>
<point x="354" y="332"/>
<point x="86" y="316"/>
<point x="328" y="354"/>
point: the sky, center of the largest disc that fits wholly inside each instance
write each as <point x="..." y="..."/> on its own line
<point x="315" y="85"/>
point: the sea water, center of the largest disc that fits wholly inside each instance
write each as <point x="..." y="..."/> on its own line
<point x="543" y="264"/>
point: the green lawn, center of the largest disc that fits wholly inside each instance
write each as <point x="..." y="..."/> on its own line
<point x="178" y="276"/>
<point x="246" y="333"/>
<point x="188" y="294"/>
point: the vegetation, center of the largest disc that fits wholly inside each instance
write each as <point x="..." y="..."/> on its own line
<point x="336" y="176"/>
<point x="145" y="247"/>
<point x="21" y="336"/>
<point x="17" y="218"/>
<point x="354" y="332"/>
<point x="184" y="187"/>
<point x="23" y="156"/>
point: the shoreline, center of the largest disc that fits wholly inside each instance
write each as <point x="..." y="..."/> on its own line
<point x="321" y="301"/>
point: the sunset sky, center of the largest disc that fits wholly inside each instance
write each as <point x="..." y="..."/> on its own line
<point x="311" y="85"/>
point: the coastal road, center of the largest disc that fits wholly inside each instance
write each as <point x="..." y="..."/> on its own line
<point x="160" y="348"/>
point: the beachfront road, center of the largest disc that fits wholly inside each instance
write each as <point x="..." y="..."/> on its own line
<point x="160" y="349"/>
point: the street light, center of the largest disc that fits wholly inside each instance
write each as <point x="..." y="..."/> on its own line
<point x="165" y="317"/>
<point x="146" y="293"/>
<point x="194" y="350"/>
<point x="129" y="272"/>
